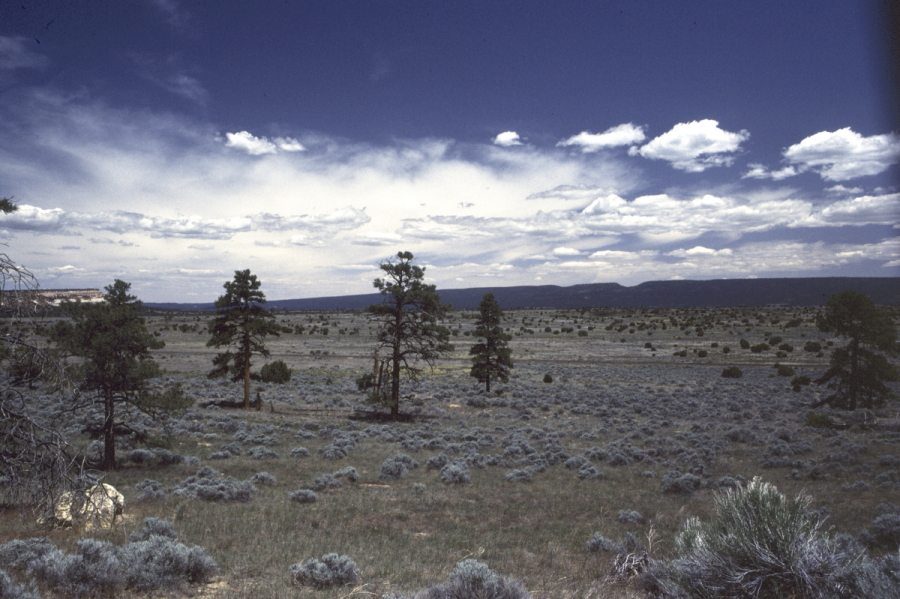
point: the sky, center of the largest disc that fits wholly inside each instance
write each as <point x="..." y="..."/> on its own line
<point x="169" y="143"/>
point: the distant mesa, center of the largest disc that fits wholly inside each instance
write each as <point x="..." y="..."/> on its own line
<point x="652" y="294"/>
<point x="56" y="297"/>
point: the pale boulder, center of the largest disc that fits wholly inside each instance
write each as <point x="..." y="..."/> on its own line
<point x="97" y="507"/>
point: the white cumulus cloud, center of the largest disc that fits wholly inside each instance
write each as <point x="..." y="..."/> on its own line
<point x="508" y="138"/>
<point x="844" y="154"/>
<point x="759" y="171"/>
<point x="257" y="146"/>
<point x="625" y="134"/>
<point x="695" y="146"/>
<point x="32" y="218"/>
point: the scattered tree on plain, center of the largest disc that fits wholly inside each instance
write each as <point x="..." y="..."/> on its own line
<point x="114" y="345"/>
<point x="858" y="371"/>
<point x="491" y="357"/>
<point x="408" y="327"/>
<point x="243" y="324"/>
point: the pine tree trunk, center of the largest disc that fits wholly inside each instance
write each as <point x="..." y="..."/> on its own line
<point x="247" y="384"/>
<point x="109" y="436"/>
<point x="395" y="385"/>
<point x="854" y="383"/>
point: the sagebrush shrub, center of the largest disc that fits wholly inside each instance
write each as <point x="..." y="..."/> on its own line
<point x="21" y="554"/>
<point x="521" y="475"/>
<point x="161" y="563"/>
<point x="455" y="474"/>
<point x="263" y="479"/>
<point x="154" y="526"/>
<point x="630" y="517"/>
<point x="760" y="544"/>
<point x="884" y="532"/>
<point x="149" y="489"/>
<point x="140" y="456"/>
<point x="599" y="543"/>
<point x="326" y="481"/>
<point x="167" y="458"/>
<point x="350" y="473"/>
<point x="437" y="462"/>
<point x="877" y="578"/>
<point x="576" y="462"/>
<point x="233" y="448"/>
<point x="472" y="579"/>
<point x="588" y="472"/>
<point x="397" y="466"/>
<point x="333" y="452"/>
<point x="261" y="452"/>
<point x="10" y="590"/>
<point x="304" y="496"/>
<point x="101" y="569"/>
<point x="332" y="570"/>
<point x="677" y="483"/>
<point x="208" y="485"/>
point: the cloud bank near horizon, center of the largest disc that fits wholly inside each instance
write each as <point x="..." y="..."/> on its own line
<point x="184" y="205"/>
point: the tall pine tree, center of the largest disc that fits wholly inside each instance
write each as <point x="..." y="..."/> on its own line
<point x="243" y="324"/>
<point x="491" y="357"/>
<point x="114" y="345"/>
<point x="408" y="325"/>
<point x="857" y="372"/>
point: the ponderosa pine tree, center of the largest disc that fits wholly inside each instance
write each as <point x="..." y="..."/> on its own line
<point x="114" y="345"/>
<point x="858" y="371"/>
<point x="243" y="324"/>
<point x="408" y="325"/>
<point x="491" y="357"/>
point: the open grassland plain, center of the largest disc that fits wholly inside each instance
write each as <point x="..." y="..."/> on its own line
<point x="614" y="422"/>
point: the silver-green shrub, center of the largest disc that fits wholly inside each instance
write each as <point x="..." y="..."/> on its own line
<point x="350" y="473"/>
<point x="455" y="474"/>
<point x="397" y="466"/>
<point x="149" y="489"/>
<point x="263" y="479"/>
<point x="101" y="569"/>
<point x="599" y="543"/>
<point x="332" y="570"/>
<point x="473" y="579"/>
<point x="760" y="544"/>
<point x="160" y="562"/>
<point x="261" y="452"/>
<point x="154" y="527"/>
<point x="10" y="590"/>
<point x="304" y="496"/>
<point x="208" y="485"/>
<point x="884" y="532"/>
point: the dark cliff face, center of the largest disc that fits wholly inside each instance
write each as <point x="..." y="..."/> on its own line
<point x="652" y="294"/>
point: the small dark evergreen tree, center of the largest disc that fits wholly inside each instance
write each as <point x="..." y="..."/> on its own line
<point x="491" y="356"/>
<point x="243" y="324"/>
<point x="114" y="345"/>
<point x="408" y="328"/>
<point x="860" y="369"/>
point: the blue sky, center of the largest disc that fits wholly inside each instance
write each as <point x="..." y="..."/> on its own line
<point x="169" y="143"/>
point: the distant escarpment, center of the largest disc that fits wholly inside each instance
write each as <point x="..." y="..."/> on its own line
<point x="652" y="294"/>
